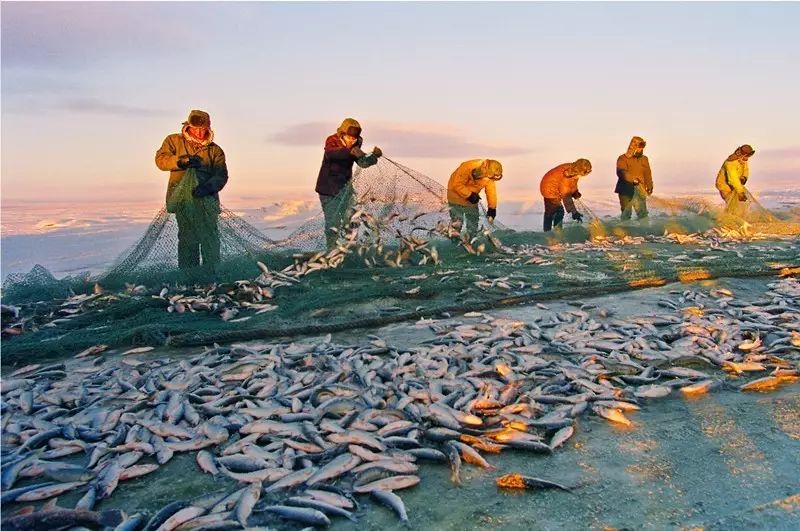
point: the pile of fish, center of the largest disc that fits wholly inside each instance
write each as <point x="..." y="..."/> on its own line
<point x="296" y="432"/>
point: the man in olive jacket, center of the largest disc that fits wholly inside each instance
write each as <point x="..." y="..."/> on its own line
<point x="334" y="181"/>
<point x="634" y="180"/>
<point x="194" y="147"/>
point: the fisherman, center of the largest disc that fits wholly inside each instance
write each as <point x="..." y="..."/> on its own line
<point x="634" y="180"/>
<point x="463" y="188"/>
<point x="334" y="182"/>
<point x="560" y="185"/>
<point x="733" y="176"/>
<point x="194" y="148"/>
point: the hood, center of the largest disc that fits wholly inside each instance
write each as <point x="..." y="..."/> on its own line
<point x="745" y="150"/>
<point x="635" y="145"/>
<point x="189" y="138"/>
<point x="347" y="124"/>
<point x="489" y="168"/>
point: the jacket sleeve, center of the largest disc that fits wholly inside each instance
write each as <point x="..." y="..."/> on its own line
<point x="648" y="174"/>
<point x="367" y="160"/>
<point x="166" y="156"/>
<point x="491" y="195"/>
<point x="219" y="171"/>
<point x="566" y="192"/>
<point x="460" y="185"/>
<point x="335" y="151"/>
<point x="733" y="174"/>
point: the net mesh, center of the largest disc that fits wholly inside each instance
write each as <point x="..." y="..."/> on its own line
<point x="396" y="257"/>
<point x="401" y="200"/>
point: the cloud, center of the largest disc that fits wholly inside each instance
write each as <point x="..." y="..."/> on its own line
<point x="404" y="140"/>
<point x="69" y="34"/>
<point x="792" y="152"/>
<point x="95" y="106"/>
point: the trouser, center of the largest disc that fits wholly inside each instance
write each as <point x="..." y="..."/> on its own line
<point x="553" y="214"/>
<point x="197" y="237"/>
<point x="336" y="210"/>
<point x="637" y="202"/>
<point x="732" y="203"/>
<point x="464" y="217"/>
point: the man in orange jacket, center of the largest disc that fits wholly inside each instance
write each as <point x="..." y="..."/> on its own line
<point x="560" y="185"/>
<point x="463" y="188"/>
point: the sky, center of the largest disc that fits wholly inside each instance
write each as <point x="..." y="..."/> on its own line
<point x="90" y="90"/>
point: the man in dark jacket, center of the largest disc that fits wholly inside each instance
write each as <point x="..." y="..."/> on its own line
<point x="634" y="180"/>
<point x="334" y="182"/>
<point x="194" y="148"/>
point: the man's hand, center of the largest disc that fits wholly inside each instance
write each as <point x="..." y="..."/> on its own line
<point x="474" y="198"/>
<point x="649" y="190"/>
<point x="377" y="151"/>
<point x="742" y="196"/>
<point x="577" y="195"/>
<point x="635" y="182"/>
<point x="491" y="213"/>
<point x="357" y="152"/>
<point x="201" y="191"/>
<point x="577" y="216"/>
<point x="186" y="162"/>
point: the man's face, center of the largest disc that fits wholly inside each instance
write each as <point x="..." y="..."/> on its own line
<point x="197" y="132"/>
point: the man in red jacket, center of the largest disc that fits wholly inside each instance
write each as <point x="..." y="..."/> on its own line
<point x="334" y="182"/>
<point x="560" y="185"/>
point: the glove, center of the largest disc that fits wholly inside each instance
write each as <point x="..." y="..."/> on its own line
<point x="201" y="191"/>
<point x="491" y="213"/>
<point x="650" y="190"/>
<point x="577" y="216"/>
<point x="183" y="162"/>
<point x="742" y="197"/>
<point x="577" y="195"/>
<point x="377" y="151"/>
<point x="474" y="198"/>
<point x="357" y="152"/>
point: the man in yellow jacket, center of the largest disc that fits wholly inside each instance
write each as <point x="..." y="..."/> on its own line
<point x="463" y="191"/>
<point x="733" y="176"/>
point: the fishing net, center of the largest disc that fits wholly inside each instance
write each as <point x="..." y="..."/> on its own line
<point x="396" y="257"/>
<point x="402" y="200"/>
<point x="222" y="237"/>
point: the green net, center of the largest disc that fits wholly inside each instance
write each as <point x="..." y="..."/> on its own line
<point x="395" y="257"/>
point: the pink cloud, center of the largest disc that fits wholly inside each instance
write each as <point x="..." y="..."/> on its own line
<point x="422" y="140"/>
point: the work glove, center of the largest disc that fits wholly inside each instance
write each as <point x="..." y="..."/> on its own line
<point x="377" y="151"/>
<point x="742" y="196"/>
<point x="491" y="213"/>
<point x="577" y="195"/>
<point x="185" y="162"/>
<point x="357" y="152"/>
<point x="577" y="216"/>
<point x="474" y="198"/>
<point x="201" y="191"/>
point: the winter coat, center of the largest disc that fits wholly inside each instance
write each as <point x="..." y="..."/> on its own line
<point x="556" y="185"/>
<point x="213" y="174"/>
<point x="461" y="185"/>
<point x="733" y="176"/>
<point x="632" y="171"/>
<point x="337" y="165"/>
